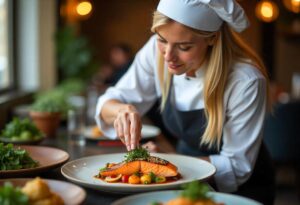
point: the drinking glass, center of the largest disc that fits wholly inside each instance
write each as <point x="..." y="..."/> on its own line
<point x="76" y="126"/>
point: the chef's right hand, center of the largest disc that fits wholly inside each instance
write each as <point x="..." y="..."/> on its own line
<point x="128" y="126"/>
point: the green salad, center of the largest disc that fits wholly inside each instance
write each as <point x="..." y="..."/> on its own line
<point x="10" y="195"/>
<point x="15" y="158"/>
<point x="21" y="130"/>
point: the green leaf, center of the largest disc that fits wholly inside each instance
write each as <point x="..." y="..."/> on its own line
<point x="153" y="176"/>
<point x="74" y="54"/>
<point x="13" y="159"/>
<point x="10" y="195"/>
<point x="17" y="127"/>
<point x="195" y="190"/>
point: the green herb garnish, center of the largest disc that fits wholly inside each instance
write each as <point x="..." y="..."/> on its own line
<point x="138" y="174"/>
<point x="155" y="203"/>
<point x="12" y="159"/>
<point x="103" y="169"/>
<point x="195" y="191"/>
<point x="153" y="176"/>
<point x="10" y="195"/>
<point x="138" y="153"/>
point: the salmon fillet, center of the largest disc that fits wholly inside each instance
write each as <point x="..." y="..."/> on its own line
<point x="155" y="165"/>
<point x="168" y="170"/>
<point x="122" y="168"/>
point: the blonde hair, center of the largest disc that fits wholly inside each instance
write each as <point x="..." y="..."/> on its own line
<point x="228" y="48"/>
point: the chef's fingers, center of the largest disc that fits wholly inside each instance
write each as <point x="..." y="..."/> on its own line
<point x="135" y="130"/>
<point x="119" y="130"/>
<point x="126" y="130"/>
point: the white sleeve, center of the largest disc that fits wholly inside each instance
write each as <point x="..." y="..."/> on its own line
<point x="242" y="134"/>
<point x="136" y="87"/>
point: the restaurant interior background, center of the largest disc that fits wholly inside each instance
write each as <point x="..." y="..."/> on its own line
<point x="44" y="43"/>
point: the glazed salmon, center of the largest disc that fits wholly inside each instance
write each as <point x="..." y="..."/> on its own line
<point x="155" y="165"/>
<point x="168" y="170"/>
<point x="122" y="168"/>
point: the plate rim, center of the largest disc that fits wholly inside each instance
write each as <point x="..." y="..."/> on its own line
<point x="139" y="195"/>
<point x="112" y="187"/>
<point x="5" y="173"/>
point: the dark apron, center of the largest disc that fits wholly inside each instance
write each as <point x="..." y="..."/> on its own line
<point x="188" y="127"/>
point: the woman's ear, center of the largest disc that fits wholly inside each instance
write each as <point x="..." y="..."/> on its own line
<point x="213" y="39"/>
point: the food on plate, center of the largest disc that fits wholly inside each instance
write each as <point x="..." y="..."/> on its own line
<point x="39" y="193"/>
<point x="194" y="193"/>
<point x="11" y="195"/>
<point x="96" y="132"/>
<point x="140" y="168"/>
<point x="21" y="130"/>
<point x="34" y="192"/>
<point x="15" y="158"/>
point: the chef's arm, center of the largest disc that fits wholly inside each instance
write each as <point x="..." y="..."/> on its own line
<point x="112" y="108"/>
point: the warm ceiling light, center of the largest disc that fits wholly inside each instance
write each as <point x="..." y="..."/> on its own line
<point x="292" y="5"/>
<point x="267" y="11"/>
<point x="84" y="8"/>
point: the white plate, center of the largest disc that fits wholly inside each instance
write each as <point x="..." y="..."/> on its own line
<point x="74" y="196"/>
<point x="82" y="171"/>
<point x="164" y="196"/>
<point x="148" y="131"/>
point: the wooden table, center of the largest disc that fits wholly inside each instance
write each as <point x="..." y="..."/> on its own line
<point x="93" y="148"/>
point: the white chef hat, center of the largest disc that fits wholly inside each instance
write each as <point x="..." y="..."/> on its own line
<point x="205" y="15"/>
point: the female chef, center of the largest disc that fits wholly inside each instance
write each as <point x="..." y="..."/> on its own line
<point x="213" y="90"/>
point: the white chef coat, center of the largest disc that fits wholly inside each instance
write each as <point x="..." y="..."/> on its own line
<point x="244" y="108"/>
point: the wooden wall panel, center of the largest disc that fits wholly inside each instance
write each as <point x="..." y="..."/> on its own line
<point x="115" y="21"/>
<point x="130" y="21"/>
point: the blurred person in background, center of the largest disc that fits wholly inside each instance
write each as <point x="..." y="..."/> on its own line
<point x="120" y="58"/>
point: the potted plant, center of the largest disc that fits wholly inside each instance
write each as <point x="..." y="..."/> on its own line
<point x="46" y="112"/>
<point x="75" y="55"/>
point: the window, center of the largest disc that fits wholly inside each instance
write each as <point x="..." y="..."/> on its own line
<point x="6" y="68"/>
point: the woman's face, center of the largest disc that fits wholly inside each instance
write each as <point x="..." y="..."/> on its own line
<point x="183" y="50"/>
